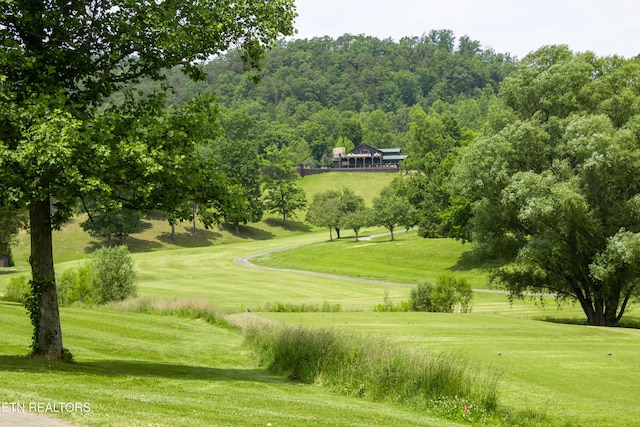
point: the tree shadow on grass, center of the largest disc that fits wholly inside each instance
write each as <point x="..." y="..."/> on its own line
<point x="470" y="260"/>
<point x="134" y="244"/>
<point x="136" y="368"/>
<point x="248" y="232"/>
<point x="186" y="238"/>
<point x="291" y="225"/>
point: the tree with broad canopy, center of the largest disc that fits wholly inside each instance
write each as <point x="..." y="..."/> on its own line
<point x="554" y="182"/>
<point x="58" y="63"/>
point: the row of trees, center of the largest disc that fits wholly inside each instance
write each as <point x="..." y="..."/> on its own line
<point x="321" y="93"/>
<point x="339" y="209"/>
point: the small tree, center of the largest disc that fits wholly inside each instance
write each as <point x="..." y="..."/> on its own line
<point x="113" y="275"/>
<point x="282" y="195"/>
<point x="390" y="210"/>
<point x="324" y="211"/>
<point x="116" y="221"/>
<point x="357" y="219"/>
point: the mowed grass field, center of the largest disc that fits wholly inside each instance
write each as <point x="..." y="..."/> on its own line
<point x="140" y="369"/>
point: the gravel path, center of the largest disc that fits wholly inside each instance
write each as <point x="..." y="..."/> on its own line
<point x="28" y="419"/>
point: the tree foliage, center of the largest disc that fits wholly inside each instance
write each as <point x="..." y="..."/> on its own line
<point x="282" y="195"/>
<point x="356" y="88"/>
<point x="11" y="221"/>
<point x="58" y="63"/>
<point x="336" y="209"/>
<point x="553" y="182"/>
<point x="391" y="209"/>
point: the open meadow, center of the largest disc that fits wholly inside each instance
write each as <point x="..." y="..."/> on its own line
<point x="141" y="368"/>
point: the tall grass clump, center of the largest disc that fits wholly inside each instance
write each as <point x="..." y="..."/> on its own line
<point x="189" y="308"/>
<point x="373" y="368"/>
<point x="287" y="307"/>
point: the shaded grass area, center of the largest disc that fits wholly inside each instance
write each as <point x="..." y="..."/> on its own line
<point x="71" y="242"/>
<point x="139" y="370"/>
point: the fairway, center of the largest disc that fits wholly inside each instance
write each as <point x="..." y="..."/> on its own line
<point x="408" y="259"/>
<point x="140" y="369"/>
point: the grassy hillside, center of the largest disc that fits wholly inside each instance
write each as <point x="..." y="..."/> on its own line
<point x="407" y="259"/>
<point x="365" y="184"/>
<point x="72" y="243"/>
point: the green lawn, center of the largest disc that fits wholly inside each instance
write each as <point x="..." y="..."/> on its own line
<point x="142" y="370"/>
<point x="365" y="184"/>
<point x="408" y="259"/>
<point x="563" y="371"/>
<point x="138" y="369"/>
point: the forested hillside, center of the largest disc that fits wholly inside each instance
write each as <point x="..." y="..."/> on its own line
<point x="319" y="93"/>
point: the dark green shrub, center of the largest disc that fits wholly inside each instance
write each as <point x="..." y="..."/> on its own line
<point x="113" y="275"/>
<point x="445" y="296"/>
<point x="18" y="289"/>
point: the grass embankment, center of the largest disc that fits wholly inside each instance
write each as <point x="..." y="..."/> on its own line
<point x="138" y="370"/>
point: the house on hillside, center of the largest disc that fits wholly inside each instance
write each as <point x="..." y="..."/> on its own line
<point x="367" y="158"/>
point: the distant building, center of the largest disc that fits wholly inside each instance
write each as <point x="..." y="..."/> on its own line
<point x="365" y="157"/>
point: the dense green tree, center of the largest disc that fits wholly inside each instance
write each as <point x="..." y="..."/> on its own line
<point x="350" y="203"/>
<point x="553" y="183"/>
<point x="390" y="210"/>
<point x="357" y="219"/>
<point x="58" y="62"/>
<point x="433" y="141"/>
<point x="282" y="195"/>
<point x="377" y="130"/>
<point x="324" y="211"/>
<point x="332" y="208"/>
<point x="106" y="221"/>
<point x="241" y="165"/>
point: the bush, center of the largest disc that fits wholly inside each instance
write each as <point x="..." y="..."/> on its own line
<point x="448" y="293"/>
<point x="75" y="286"/>
<point x="113" y="275"/>
<point x="18" y="289"/>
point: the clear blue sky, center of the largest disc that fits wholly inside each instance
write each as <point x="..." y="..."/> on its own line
<point x="516" y="26"/>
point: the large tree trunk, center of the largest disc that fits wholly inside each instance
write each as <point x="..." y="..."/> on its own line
<point x="45" y="317"/>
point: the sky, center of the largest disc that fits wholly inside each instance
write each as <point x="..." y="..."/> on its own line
<point x="518" y="27"/>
